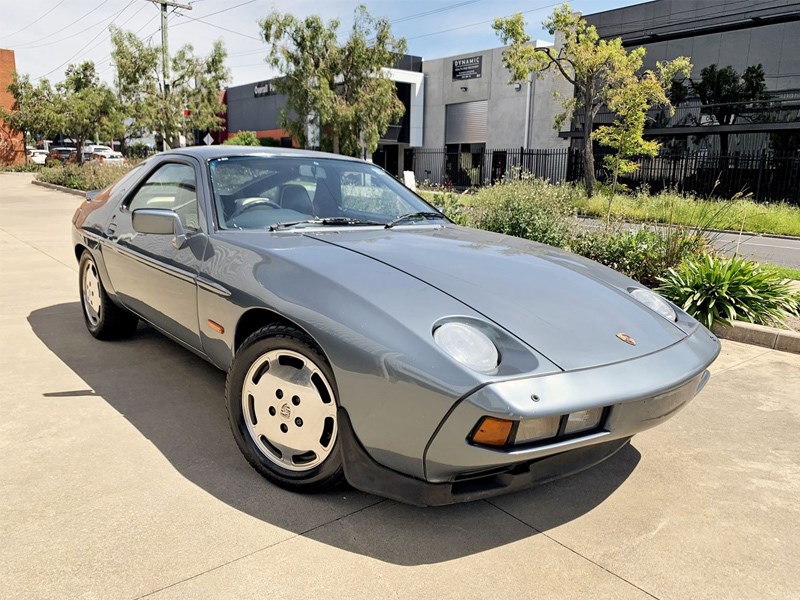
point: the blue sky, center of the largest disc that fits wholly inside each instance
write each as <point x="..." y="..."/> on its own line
<point x="47" y="35"/>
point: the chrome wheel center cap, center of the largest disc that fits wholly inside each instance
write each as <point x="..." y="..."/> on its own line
<point x="286" y="411"/>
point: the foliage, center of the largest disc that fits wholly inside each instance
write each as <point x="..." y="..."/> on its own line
<point x="596" y="67"/>
<point x="642" y="254"/>
<point x="88" y="176"/>
<point x="243" y="138"/>
<point x="157" y="105"/>
<point x="684" y="209"/>
<point x="724" y="93"/>
<point x="720" y="290"/>
<point x="783" y="272"/>
<point x="338" y="88"/>
<point x="35" y="107"/>
<point x="137" y="150"/>
<point x="80" y="107"/>
<point x="517" y="208"/>
<point x="87" y="106"/>
<point x="631" y="101"/>
<point x="26" y="167"/>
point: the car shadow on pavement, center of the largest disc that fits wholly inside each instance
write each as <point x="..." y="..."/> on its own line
<point x="176" y="400"/>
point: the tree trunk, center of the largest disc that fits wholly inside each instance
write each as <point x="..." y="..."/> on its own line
<point x="336" y="143"/>
<point x="588" y="151"/>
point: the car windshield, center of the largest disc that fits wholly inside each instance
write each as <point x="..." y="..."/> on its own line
<point x="261" y="192"/>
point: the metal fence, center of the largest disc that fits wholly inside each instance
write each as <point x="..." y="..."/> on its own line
<point x="764" y="176"/>
<point x="460" y="170"/>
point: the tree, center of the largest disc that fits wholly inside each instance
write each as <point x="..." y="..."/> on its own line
<point x="339" y="88"/>
<point x="594" y="66"/>
<point x="86" y="105"/>
<point x="724" y="93"/>
<point x="189" y="99"/>
<point x="631" y="101"/>
<point x="35" y="112"/>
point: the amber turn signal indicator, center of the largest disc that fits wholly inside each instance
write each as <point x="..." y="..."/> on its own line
<point x="216" y="326"/>
<point x="492" y="432"/>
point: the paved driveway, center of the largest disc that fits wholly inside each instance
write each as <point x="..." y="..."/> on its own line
<point x="119" y="479"/>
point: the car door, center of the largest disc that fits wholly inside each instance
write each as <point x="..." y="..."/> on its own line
<point x="150" y="274"/>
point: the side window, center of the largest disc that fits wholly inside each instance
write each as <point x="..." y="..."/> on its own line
<point x="171" y="186"/>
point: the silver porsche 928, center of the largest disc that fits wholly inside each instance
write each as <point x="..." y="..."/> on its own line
<point x="368" y="338"/>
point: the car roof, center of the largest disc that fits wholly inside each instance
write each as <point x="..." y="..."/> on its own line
<point x="223" y="151"/>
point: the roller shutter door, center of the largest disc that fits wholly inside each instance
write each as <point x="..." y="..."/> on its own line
<point x="465" y="123"/>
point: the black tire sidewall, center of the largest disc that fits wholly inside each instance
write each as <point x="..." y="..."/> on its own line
<point x="282" y="338"/>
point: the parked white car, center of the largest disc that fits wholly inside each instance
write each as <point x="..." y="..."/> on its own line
<point x="37" y="156"/>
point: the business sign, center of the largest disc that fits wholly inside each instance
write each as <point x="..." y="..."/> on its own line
<point x="263" y="88"/>
<point x="467" y="68"/>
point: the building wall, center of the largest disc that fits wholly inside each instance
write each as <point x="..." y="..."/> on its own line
<point x="12" y="146"/>
<point x="506" y="103"/>
<point x="722" y="32"/>
<point x="250" y="112"/>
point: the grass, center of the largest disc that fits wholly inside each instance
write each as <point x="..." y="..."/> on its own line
<point x="784" y="272"/>
<point x="665" y="207"/>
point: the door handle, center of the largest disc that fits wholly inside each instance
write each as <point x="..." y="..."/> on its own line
<point x="112" y="227"/>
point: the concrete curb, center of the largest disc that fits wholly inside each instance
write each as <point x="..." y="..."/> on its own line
<point x="59" y="188"/>
<point x="759" y="335"/>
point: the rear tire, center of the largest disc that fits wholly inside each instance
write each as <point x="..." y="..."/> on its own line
<point x="282" y="399"/>
<point x="104" y="319"/>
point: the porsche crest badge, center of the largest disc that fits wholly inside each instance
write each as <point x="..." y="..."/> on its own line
<point x="626" y="338"/>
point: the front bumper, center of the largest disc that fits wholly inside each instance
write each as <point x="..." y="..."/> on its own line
<point x="637" y="395"/>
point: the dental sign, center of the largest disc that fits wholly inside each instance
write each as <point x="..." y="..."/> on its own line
<point x="467" y="68"/>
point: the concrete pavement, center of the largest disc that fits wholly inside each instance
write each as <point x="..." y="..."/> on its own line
<point x="119" y="479"/>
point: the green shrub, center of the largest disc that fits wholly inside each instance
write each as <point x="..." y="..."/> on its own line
<point x="243" y="138"/>
<point x="530" y="209"/>
<point x="26" y="167"/>
<point x="137" y="150"/>
<point x="720" y="290"/>
<point x="89" y="176"/>
<point x="644" y="254"/>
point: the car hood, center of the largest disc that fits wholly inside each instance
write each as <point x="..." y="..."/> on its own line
<point x="568" y="308"/>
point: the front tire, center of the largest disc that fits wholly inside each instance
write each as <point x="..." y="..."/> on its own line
<point x="282" y="398"/>
<point x="104" y="319"/>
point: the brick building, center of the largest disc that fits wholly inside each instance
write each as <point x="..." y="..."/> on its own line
<point x="12" y="146"/>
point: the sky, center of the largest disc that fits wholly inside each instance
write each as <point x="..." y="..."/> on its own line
<point x="48" y="35"/>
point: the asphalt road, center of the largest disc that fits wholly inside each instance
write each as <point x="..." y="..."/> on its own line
<point x="119" y="479"/>
<point x="778" y="251"/>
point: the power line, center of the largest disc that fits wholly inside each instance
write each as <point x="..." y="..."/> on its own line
<point x="81" y="18"/>
<point x="221" y="27"/>
<point x="416" y="37"/>
<point x="100" y="22"/>
<point x="214" y="13"/>
<point x="78" y="53"/>
<point x="434" y="11"/>
<point x="33" y="22"/>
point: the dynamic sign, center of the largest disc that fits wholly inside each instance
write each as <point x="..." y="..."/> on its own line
<point x="467" y="68"/>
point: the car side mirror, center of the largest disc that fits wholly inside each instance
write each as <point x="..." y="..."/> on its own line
<point x="160" y="221"/>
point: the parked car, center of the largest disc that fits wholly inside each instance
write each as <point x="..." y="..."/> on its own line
<point x="37" y="156"/>
<point x="58" y="155"/>
<point x="107" y="158"/>
<point x="368" y="338"/>
<point x="97" y="149"/>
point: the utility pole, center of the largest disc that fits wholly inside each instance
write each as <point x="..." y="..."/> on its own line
<point x="164" y="4"/>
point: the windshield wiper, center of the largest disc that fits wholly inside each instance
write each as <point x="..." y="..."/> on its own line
<point x="422" y="215"/>
<point x="327" y="221"/>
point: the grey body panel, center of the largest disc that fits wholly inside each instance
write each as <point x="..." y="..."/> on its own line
<point x="371" y="298"/>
